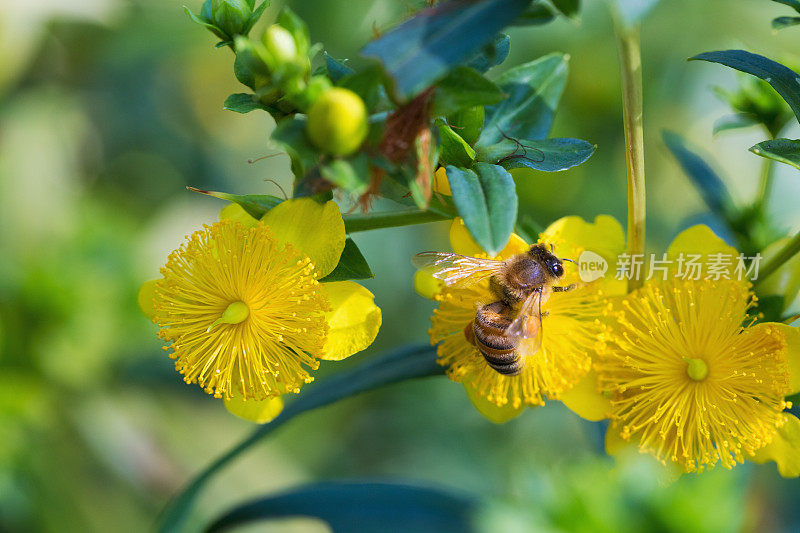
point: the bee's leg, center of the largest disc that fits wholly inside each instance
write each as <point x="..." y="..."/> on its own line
<point x="565" y="289"/>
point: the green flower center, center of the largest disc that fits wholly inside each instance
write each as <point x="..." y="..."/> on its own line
<point x="696" y="368"/>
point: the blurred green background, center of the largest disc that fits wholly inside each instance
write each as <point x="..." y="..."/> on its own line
<point x="109" y="108"/>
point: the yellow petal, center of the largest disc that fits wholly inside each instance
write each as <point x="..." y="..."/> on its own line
<point x="147" y="293"/>
<point x="463" y="243"/>
<point x="258" y="411"/>
<point x="597" y="243"/>
<point x="354" y="319"/>
<point x="317" y="230"/>
<point x="701" y="241"/>
<point x="236" y="212"/>
<point x="493" y="412"/>
<point x="585" y="400"/>
<point x="440" y="182"/>
<point x="425" y="284"/>
<point x="792" y="353"/>
<point x="784" y="448"/>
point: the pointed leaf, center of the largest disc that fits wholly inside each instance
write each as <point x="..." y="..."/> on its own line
<point x="366" y="507"/>
<point x="711" y="187"/>
<point x="783" y="79"/>
<point x="783" y="150"/>
<point x="352" y="265"/>
<point x="336" y="69"/>
<point x="256" y="205"/>
<point x="400" y="365"/>
<point x="423" y="49"/>
<point x="243" y="103"/>
<point x="492" y="54"/>
<point x="464" y="87"/>
<point x="794" y="4"/>
<point x="569" y="8"/>
<point x="536" y="15"/>
<point x="549" y="155"/>
<point x="454" y="150"/>
<point x="486" y="199"/>
<point x="534" y="90"/>
<point x="784" y="22"/>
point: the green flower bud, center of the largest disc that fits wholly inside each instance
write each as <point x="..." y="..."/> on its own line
<point x="468" y="123"/>
<point x="337" y="121"/>
<point x="280" y="43"/>
<point x="231" y="16"/>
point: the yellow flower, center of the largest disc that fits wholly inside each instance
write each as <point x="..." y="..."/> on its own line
<point x="691" y="380"/>
<point x="569" y="321"/>
<point x="243" y="308"/>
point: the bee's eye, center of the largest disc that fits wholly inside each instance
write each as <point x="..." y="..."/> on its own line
<point x="558" y="270"/>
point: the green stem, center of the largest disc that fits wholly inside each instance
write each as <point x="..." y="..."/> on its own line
<point x="787" y="252"/>
<point x="765" y="184"/>
<point x="630" y="57"/>
<point x="390" y="219"/>
<point x="400" y="365"/>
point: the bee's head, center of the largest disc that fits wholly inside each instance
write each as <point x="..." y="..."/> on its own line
<point x="545" y="256"/>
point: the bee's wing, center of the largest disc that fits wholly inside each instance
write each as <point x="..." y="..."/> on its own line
<point x="528" y="324"/>
<point x="457" y="269"/>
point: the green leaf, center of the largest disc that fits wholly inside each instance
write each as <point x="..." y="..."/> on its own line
<point x="424" y="48"/>
<point x="349" y="174"/>
<point x="363" y="506"/>
<point x="733" y="122"/>
<point x="453" y="149"/>
<point x="794" y="4"/>
<point x="780" y="23"/>
<point x="783" y="79"/>
<point x="403" y="364"/>
<point x="257" y="12"/>
<point x="336" y="69"/>
<point x="256" y="205"/>
<point x="464" y="87"/>
<point x="783" y="150"/>
<point x="711" y="187"/>
<point x="549" y="155"/>
<point x="290" y="134"/>
<point x="486" y="199"/>
<point x="568" y="8"/>
<point x="491" y="54"/>
<point x="243" y="103"/>
<point x="534" y="90"/>
<point x="536" y="15"/>
<point x="352" y="265"/>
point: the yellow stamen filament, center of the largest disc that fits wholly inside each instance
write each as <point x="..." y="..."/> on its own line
<point x="693" y="411"/>
<point x="241" y="310"/>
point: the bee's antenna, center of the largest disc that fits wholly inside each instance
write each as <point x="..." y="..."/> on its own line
<point x="570" y="260"/>
<point x="552" y="248"/>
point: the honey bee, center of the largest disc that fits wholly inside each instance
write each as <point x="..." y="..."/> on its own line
<point x="506" y="330"/>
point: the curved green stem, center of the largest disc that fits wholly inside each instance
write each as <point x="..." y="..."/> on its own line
<point x="631" y="69"/>
<point x="400" y="365"/>
<point x="390" y="219"/>
<point x="787" y="252"/>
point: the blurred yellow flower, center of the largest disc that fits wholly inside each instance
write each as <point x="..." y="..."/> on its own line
<point x="243" y="308"/>
<point x="690" y="380"/>
<point x="569" y="321"/>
